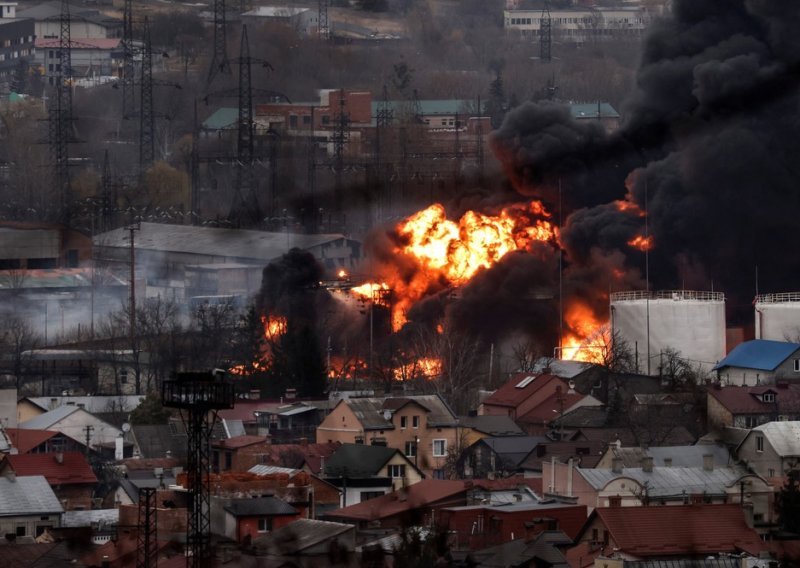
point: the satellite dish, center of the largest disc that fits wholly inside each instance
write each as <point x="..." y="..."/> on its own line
<point x="126" y="427"/>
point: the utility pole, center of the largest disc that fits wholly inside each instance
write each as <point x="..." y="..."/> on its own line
<point x="128" y="73"/>
<point x="246" y="202"/>
<point x="383" y="122"/>
<point x="219" y="60"/>
<point x="546" y="34"/>
<point x="146" y="118"/>
<point x="323" y="30"/>
<point x="341" y="134"/>
<point x="60" y="118"/>
<point x="88" y="429"/>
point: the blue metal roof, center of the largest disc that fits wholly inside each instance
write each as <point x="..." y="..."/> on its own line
<point x="761" y="354"/>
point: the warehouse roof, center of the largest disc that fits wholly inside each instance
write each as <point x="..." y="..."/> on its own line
<point x="760" y="354"/>
<point x="212" y="241"/>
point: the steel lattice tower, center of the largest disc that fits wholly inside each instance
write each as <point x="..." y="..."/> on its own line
<point x="128" y="73"/>
<point x="60" y="117"/>
<point x="341" y="134"/>
<point x="219" y="59"/>
<point x="323" y="29"/>
<point x="545" y="34"/>
<point x="146" y="534"/>
<point x="246" y="205"/>
<point x="383" y="120"/>
<point x="146" y="117"/>
<point x="200" y="395"/>
<point x="108" y="200"/>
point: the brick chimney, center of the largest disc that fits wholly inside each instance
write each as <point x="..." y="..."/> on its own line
<point x="647" y="464"/>
<point x="708" y="462"/>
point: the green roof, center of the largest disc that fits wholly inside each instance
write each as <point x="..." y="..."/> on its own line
<point x="224" y="117"/>
<point x="590" y="110"/>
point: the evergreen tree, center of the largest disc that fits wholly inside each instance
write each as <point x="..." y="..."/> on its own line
<point x="787" y="503"/>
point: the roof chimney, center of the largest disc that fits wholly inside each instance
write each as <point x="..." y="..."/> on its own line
<point x="647" y="464"/>
<point x="667" y="462"/>
<point x="708" y="462"/>
<point x="616" y="465"/>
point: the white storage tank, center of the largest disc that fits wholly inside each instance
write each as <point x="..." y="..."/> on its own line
<point x="689" y="322"/>
<point x="778" y="316"/>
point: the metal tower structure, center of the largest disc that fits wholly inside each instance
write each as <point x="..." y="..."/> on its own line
<point x="479" y="139"/>
<point x="146" y="534"/>
<point x="323" y="29"/>
<point x="146" y="117"/>
<point x="219" y="59"/>
<point x="340" y="136"/>
<point x="198" y="396"/>
<point x="60" y="117"/>
<point x="128" y="73"/>
<point x="246" y="203"/>
<point x="383" y="121"/>
<point x="545" y="34"/>
<point x="195" y="168"/>
<point x="108" y="198"/>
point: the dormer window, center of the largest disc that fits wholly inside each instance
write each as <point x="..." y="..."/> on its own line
<point x="768" y="397"/>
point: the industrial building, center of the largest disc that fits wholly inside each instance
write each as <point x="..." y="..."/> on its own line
<point x="686" y="322"/>
<point x="778" y="316"/>
<point x="16" y="42"/>
<point x="581" y="25"/>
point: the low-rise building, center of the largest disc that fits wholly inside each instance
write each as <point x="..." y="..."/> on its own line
<point x="68" y="473"/>
<point x="78" y="424"/>
<point x="759" y="362"/>
<point x="28" y="507"/>
<point x="772" y="449"/>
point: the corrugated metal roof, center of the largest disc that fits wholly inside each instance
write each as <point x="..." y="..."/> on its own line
<point x="222" y="118"/>
<point x="669" y="481"/>
<point x="26" y="496"/>
<point x="592" y="110"/>
<point x="123" y="402"/>
<point x="86" y="518"/>
<point x="681" y="456"/>
<point x="262" y="469"/>
<point x="212" y="241"/>
<point x="784" y="437"/>
<point x="300" y="535"/>
<point x="761" y="354"/>
<point x="46" y="420"/>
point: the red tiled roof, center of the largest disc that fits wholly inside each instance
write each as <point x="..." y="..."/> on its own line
<point x="239" y="441"/>
<point x="26" y="440"/>
<point x="742" y="400"/>
<point x="421" y="494"/>
<point x="244" y="410"/>
<point x="550" y="408"/>
<point x="583" y="555"/>
<point x="510" y="395"/>
<point x="71" y="470"/>
<point x="680" y="529"/>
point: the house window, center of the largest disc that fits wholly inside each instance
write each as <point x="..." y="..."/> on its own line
<point x="326" y="119"/>
<point x="759" y="443"/>
<point x="411" y="449"/>
<point x="265" y="524"/>
<point x="769" y="397"/>
<point x="770" y="472"/>
<point x="359" y="439"/>
<point x="797" y="365"/>
<point x="21" y="530"/>
<point x="594" y="535"/>
<point x="123" y="376"/>
<point x="293" y="120"/>
<point x="438" y="474"/>
<point x="403" y="422"/>
<point x="397" y="471"/>
<point x="415" y="421"/>
<point x="439" y="448"/>
<point x="228" y="460"/>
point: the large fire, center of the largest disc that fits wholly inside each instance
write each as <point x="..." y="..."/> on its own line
<point x="585" y="337"/>
<point x="274" y="327"/>
<point x="641" y="243"/>
<point x="450" y="253"/>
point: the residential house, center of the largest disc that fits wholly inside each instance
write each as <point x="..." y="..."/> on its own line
<point x="247" y="411"/>
<point x="68" y="473"/>
<point x="28" y="507"/>
<point x="473" y="428"/>
<point x="759" y="362"/>
<point x="291" y="422"/>
<point x="77" y="423"/>
<point x="153" y="441"/>
<point x="307" y="543"/>
<point x="300" y="19"/>
<point x="667" y="534"/>
<point x="748" y="407"/>
<point x="772" y="449"/>
<point x="523" y="393"/>
<point x="16" y="41"/>
<point x="326" y="496"/>
<point x="363" y="472"/>
<point x="308" y="457"/>
<point x="245" y="519"/>
<point x="583" y="453"/>
<point x="423" y="427"/>
<point x="649" y="485"/>
<point x="235" y="454"/>
<point x="23" y="441"/>
<point x="479" y="526"/>
<point x="546" y="548"/>
<point x="419" y="504"/>
<point x="99" y="405"/>
<point x="497" y="457"/>
<point x="666" y="456"/>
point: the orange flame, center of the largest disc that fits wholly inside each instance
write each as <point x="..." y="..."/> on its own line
<point x="641" y="243"/>
<point x="585" y="339"/>
<point x="274" y="327"/>
<point x="427" y="367"/>
<point x="450" y="253"/>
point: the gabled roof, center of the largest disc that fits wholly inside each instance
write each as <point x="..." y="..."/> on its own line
<point x="101" y="403"/>
<point x="669" y="481"/>
<point x="359" y="460"/>
<point x="512" y="449"/>
<point x="784" y="437"/>
<point x="300" y="535"/>
<point x="295" y="455"/>
<point x="681" y="456"/>
<point x="252" y="507"/>
<point x="520" y="387"/>
<point x="679" y="530"/>
<point x="52" y="10"/>
<point x="748" y="400"/>
<point x="30" y="495"/>
<point x="73" y="469"/>
<point x="493" y="424"/>
<point x="25" y="440"/>
<point x="586" y="453"/>
<point x="520" y="552"/>
<point x="549" y="408"/>
<point x="239" y="442"/>
<point x="376" y="413"/>
<point x="245" y="410"/>
<point x="759" y="354"/>
<point x="50" y="418"/>
<point x="155" y="440"/>
<point x="583" y="417"/>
